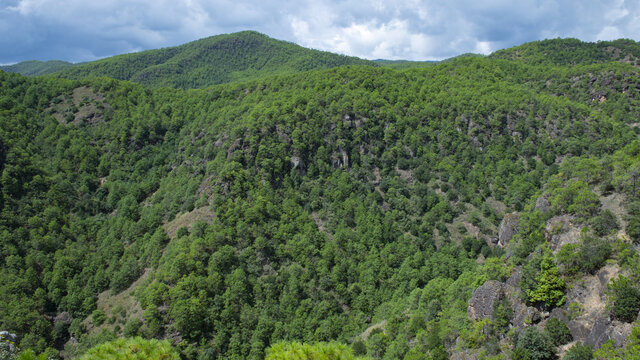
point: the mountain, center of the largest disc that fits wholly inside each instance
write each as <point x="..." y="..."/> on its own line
<point x="475" y="208"/>
<point x="572" y="52"/>
<point x="214" y="60"/>
<point x="37" y="68"/>
<point x="404" y="64"/>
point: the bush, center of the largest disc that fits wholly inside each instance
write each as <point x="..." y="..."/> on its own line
<point x="502" y="313"/>
<point x="579" y="352"/>
<point x="536" y="344"/>
<point x="604" y="223"/>
<point x="588" y="256"/>
<point x="132" y="327"/>
<point x="633" y="229"/>
<point x="132" y="349"/>
<point x="624" y="300"/>
<point x="317" y="351"/>
<point x="558" y="331"/>
<point x="98" y="317"/>
<point x="541" y="281"/>
<point x="593" y="253"/>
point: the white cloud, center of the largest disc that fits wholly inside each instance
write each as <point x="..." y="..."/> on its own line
<point x="81" y="30"/>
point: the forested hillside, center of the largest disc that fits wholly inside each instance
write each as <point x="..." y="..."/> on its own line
<point x="357" y="211"/>
<point x="572" y="52"/>
<point x="37" y="68"/>
<point x="215" y="60"/>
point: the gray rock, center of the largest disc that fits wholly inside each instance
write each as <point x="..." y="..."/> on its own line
<point x="559" y="314"/>
<point x="578" y="330"/>
<point x="508" y="228"/>
<point x="620" y="332"/>
<point x="9" y="336"/>
<point x="542" y="204"/>
<point x="599" y="333"/>
<point x="466" y="355"/>
<point x="514" y="279"/>
<point x="523" y="315"/>
<point x="63" y="317"/>
<point x="483" y="299"/>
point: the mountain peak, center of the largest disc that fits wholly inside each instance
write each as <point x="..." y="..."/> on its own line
<point x="213" y="60"/>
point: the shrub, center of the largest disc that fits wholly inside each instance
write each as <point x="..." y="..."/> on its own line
<point x="587" y="256"/>
<point x="579" y="352"/>
<point x="536" y="344"/>
<point x="541" y="281"/>
<point x="604" y="223"/>
<point x="624" y="299"/>
<point x="593" y="253"/>
<point x="132" y="349"/>
<point x="98" y="317"/>
<point x="502" y="313"/>
<point x="132" y="327"/>
<point x="558" y="331"/>
<point x="317" y="351"/>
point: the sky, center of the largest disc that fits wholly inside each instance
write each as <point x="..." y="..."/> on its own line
<point x="84" y="30"/>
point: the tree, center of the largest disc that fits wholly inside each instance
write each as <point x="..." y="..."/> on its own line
<point x="624" y="299"/>
<point x="558" y="331"/>
<point x="541" y="280"/>
<point x="536" y="344"/>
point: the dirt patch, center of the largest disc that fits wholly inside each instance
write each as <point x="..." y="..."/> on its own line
<point x="188" y="219"/>
<point x="84" y="106"/>
<point x="381" y="325"/>
<point x="119" y="308"/>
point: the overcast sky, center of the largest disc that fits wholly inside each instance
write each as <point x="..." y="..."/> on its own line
<point x="82" y="30"/>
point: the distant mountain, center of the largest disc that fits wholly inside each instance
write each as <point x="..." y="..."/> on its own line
<point x="573" y="51"/>
<point x="408" y="64"/>
<point x="36" y="67"/>
<point x="219" y="59"/>
<point x="404" y="64"/>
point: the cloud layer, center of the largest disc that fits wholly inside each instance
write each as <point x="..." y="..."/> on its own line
<point x="81" y="30"/>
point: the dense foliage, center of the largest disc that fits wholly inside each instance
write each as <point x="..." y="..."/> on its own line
<point x="354" y="204"/>
<point x="37" y="68"/>
<point x="214" y="60"/>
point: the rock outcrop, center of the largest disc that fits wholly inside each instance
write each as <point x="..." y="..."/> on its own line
<point x="508" y="228"/>
<point x="483" y="300"/>
<point x="542" y="204"/>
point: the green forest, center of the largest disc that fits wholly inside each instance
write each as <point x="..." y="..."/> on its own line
<point x="336" y="209"/>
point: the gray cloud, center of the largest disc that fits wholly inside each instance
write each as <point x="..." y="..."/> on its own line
<point x="81" y="30"/>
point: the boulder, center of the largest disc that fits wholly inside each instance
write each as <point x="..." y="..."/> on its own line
<point x="483" y="299"/>
<point x="542" y="204"/>
<point x="578" y="330"/>
<point x="559" y="314"/>
<point x="599" y="332"/>
<point x="508" y="228"/>
<point x="63" y="317"/>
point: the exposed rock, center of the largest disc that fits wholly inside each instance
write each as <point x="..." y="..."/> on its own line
<point x="514" y="279"/>
<point x="508" y="228"/>
<point x="63" y="317"/>
<point x="560" y="230"/>
<point x="578" y="330"/>
<point x="599" y="332"/>
<point x="466" y="355"/>
<point x="542" y="204"/>
<point x="523" y="315"/>
<point x="559" y="314"/>
<point x="483" y="299"/>
<point x="9" y="336"/>
<point x="620" y="332"/>
<point x="604" y="330"/>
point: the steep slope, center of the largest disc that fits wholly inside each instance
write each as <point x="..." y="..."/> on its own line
<point x="572" y="52"/>
<point x="214" y="60"/>
<point x="37" y="68"/>
<point x="309" y="206"/>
